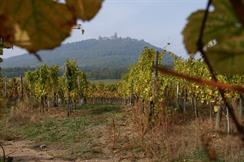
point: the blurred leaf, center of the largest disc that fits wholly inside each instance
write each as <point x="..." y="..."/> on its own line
<point x="222" y="25"/>
<point x="238" y="6"/>
<point x="40" y="24"/>
<point x="85" y="9"/>
<point x="191" y="31"/>
<point x="6" y="27"/>
<point x="1" y="46"/>
<point x="228" y="55"/>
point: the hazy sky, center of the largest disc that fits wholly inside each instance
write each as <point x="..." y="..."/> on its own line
<point x="155" y="21"/>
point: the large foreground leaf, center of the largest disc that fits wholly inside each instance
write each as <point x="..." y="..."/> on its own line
<point x="224" y="27"/>
<point x="42" y="24"/>
<point x="229" y="55"/>
<point x="39" y="24"/>
<point x="85" y="9"/>
<point x="238" y="6"/>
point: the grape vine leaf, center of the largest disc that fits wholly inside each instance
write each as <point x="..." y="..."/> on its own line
<point x="85" y="9"/>
<point x="227" y="56"/>
<point x="39" y="24"/>
<point x="238" y="6"/>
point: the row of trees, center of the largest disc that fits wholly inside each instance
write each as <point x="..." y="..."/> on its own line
<point x="93" y="73"/>
<point x="141" y="84"/>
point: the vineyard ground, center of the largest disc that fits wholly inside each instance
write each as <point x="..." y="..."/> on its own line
<point x="82" y="135"/>
<point x="107" y="133"/>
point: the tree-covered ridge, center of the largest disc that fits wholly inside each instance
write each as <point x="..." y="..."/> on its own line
<point x="116" y="52"/>
<point x="102" y="58"/>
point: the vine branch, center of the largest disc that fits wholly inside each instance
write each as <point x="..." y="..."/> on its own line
<point x="200" y="81"/>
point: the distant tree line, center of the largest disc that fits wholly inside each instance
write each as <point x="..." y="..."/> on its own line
<point x="93" y="73"/>
<point x="16" y="71"/>
<point x="97" y="73"/>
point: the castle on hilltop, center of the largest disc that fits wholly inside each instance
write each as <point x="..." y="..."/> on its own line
<point x="115" y="36"/>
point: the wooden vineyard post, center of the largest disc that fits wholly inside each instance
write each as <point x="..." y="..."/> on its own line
<point x="218" y="117"/>
<point x="21" y="86"/>
<point x="184" y="100"/>
<point x="177" y="96"/>
<point x="195" y="107"/>
<point x="241" y="105"/>
<point x="5" y="87"/>
<point x="78" y="83"/>
<point x="210" y="110"/>
<point x="227" y="121"/>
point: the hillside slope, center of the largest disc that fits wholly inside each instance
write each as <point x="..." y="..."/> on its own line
<point x="92" y="53"/>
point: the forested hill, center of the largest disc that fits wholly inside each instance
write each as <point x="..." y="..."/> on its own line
<point x="103" y="52"/>
<point x="103" y="58"/>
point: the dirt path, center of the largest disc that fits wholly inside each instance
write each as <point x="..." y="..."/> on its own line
<point x="27" y="151"/>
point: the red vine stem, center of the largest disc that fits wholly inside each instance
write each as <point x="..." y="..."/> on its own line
<point x="200" y="81"/>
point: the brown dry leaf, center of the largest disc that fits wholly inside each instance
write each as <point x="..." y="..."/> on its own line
<point x="85" y="9"/>
<point x="6" y="28"/>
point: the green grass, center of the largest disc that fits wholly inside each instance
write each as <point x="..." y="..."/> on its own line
<point x="100" y="109"/>
<point x="64" y="131"/>
<point x="69" y="130"/>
